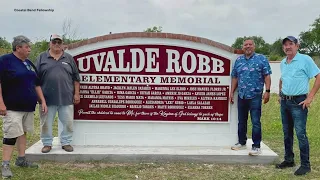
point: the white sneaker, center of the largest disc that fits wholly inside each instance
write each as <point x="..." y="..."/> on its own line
<point x="255" y="151"/>
<point x="6" y="172"/>
<point x="238" y="146"/>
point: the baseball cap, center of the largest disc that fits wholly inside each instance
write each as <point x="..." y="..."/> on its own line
<point x="290" y="38"/>
<point x="55" y="36"/>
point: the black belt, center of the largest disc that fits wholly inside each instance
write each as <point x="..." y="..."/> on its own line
<point x="285" y="97"/>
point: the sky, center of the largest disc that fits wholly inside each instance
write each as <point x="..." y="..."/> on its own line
<point x="219" y="20"/>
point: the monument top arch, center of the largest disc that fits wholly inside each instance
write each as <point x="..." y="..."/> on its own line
<point x="152" y="35"/>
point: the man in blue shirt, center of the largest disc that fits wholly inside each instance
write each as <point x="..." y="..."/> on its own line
<point x="296" y="71"/>
<point x="19" y="92"/>
<point x="250" y="72"/>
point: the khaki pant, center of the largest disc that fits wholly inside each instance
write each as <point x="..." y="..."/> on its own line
<point x="16" y="123"/>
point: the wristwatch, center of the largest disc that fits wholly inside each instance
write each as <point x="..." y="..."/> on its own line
<point x="267" y="90"/>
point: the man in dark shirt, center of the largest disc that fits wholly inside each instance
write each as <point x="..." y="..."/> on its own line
<point x="60" y="79"/>
<point x="250" y="72"/>
<point x="18" y="97"/>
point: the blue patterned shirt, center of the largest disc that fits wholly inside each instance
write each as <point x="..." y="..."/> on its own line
<point x="250" y="73"/>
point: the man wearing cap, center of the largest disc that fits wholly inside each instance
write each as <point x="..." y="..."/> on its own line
<point x="250" y="73"/>
<point x="19" y="92"/>
<point x="59" y="77"/>
<point x="296" y="71"/>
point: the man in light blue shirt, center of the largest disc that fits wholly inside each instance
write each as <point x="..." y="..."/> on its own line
<point x="296" y="71"/>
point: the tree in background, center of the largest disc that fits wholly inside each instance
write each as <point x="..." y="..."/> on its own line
<point x="38" y="47"/>
<point x="5" y="46"/>
<point x="276" y="51"/>
<point x="4" y="51"/>
<point x="276" y="48"/>
<point x="70" y="33"/>
<point x="154" y="29"/>
<point x="4" y="43"/>
<point x="310" y="40"/>
<point x="261" y="46"/>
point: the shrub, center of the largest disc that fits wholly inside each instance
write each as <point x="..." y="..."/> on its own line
<point x="274" y="57"/>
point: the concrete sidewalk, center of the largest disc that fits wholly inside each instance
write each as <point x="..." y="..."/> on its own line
<point x="152" y="154"/>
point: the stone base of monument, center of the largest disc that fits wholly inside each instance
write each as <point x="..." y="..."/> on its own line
<point x="151" y="154"/>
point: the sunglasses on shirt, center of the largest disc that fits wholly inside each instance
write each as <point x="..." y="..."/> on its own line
<point x="27" y="65"/>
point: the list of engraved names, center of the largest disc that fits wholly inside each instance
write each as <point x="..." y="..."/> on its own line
<point x="179" y="103"/>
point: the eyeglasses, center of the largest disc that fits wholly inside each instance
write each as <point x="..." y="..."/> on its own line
<point x="27" y="65"/>
<point x="55" y="42"/>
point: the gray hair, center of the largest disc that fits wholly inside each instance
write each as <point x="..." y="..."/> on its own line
<point x="248" y="38"/>
<point x="19" y="41"/>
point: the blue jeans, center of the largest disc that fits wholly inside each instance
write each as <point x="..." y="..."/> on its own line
<point x="293" y="116"/>
<point x="254" y="107"/>
<point x="65" y="114"/>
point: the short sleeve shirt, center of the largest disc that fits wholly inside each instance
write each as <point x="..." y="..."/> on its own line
<point x="18" y="81"/>
<point x="57" y="78"/>
<point x="250" y="74"/>
<point x="295" y="76"/>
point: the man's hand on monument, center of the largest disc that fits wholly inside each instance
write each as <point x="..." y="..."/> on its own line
<point x="266" y="97"/>
<point x="76" y="99"/>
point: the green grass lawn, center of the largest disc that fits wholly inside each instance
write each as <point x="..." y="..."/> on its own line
<point x="272" y="136"/>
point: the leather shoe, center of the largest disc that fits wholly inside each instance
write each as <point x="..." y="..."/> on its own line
<point x="46" y="149"/>
<point x="67" y="148"/>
